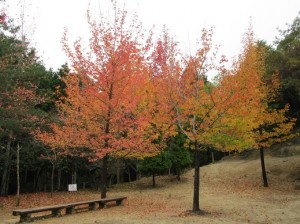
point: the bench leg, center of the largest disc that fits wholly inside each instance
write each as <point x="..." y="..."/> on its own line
<point x="92" y="206"/>
<point x="25" y="217"/>
<point x="56" y="212"/>
<point x="70" y="210"/>
<point x="120" y="202"/>
<point x="102" y="205"/>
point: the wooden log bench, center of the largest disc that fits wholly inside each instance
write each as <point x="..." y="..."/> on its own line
<point x="68" y="208"/>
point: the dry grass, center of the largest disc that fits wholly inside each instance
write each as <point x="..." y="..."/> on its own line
<point x="231" y="192"/>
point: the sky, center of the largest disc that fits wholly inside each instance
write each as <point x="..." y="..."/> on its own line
<point x="45" y="21"/>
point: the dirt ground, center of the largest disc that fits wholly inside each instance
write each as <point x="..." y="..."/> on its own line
<point x="231" y="192"/>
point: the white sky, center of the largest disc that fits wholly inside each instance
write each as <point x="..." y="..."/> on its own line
<point x="184" y="18"/>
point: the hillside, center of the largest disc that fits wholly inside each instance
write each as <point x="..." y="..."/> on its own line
<point x="282" y="165"/>
<point x="231" y="192"/>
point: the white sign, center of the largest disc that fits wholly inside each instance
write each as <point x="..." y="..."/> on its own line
<point x="72" y="187"/>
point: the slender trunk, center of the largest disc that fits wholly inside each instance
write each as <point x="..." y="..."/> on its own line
<point x="58" y="178"/>
<point x="52" y="178"/>
<point x="104" y="177"/>
<point x="36" y="180"/>
<point x="45" y="179"/>
<point x="118" y="175"/>
<point x="263" y="167"/>
<point x="196" y="201"/>
<point x="18" y="176"/>
<point x="25" y="175"/>
<point x="8" y="178"/>
<point x="74" y="171"/>
<point x="212" y="157"/>
<point x="178" y="174"/>
<point x="106" y="145"/>
<point x="6" y="167"/>
<point x="133" y="168"/>
<point x="153" y="180"/>
<point x="109" y="181"/>
<point x="129" y="176"/>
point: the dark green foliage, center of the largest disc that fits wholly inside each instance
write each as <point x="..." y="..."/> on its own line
<point x="176" y="157"/>
<point x="155" y="165"/>
<point x="179" y="154"/>
<point x="52" y="87"/>
<point x="285" y="59"/>
<point x="26" y="91"/>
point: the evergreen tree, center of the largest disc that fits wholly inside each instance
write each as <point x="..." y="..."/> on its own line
<point x="26" y="91"/>
<point x="284" y="58"/>
<point x="155" y="165"/>
<point x="179" y="154"/>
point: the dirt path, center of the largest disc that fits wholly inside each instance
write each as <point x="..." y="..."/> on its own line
<point x="231" y="192"/>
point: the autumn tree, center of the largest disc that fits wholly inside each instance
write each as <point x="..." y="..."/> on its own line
<point x="261" y="123"/>
<point x="108" y="107"/>
<point x="200" y="108"/>
<point x="270" y="123"/>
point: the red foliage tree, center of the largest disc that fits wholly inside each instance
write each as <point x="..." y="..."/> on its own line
<point x="109" y="106"/>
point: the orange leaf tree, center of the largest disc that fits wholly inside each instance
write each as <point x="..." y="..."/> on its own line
<point x="200" y="108"/>
<point x="109" y="105"/>
<point x="269" y="124"/>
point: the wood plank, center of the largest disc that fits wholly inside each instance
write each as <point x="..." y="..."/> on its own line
<point x="56" y="210"/>
<point x="38" y="209"/>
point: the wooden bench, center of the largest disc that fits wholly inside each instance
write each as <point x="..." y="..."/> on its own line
<point x="69" y="208"/>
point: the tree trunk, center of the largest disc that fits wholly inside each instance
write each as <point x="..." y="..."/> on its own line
<point x="52" y="178"/>
<point x="105" y="158"/>
<point x="6" y="167"/>
<point x="74" y="171"/>
<point x="25" y="175"/>
<point x="196" y="201"/>
<point x="212" y="157"/>
<point x="134" y="168"/>
<point x="178" y="174"/>
<point x="36" y="180"/>
<point x="153" y="180"/>
<point x="129" y="176"/>
<point x="118" y="175"/>
<point x="45" y="180"/>
<point x="18" y="176"/>
<point x="263" y="167"/>
<point x="58" y="178"/>
<point x="8" y="177"/>
<point x="104" y="177"/>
